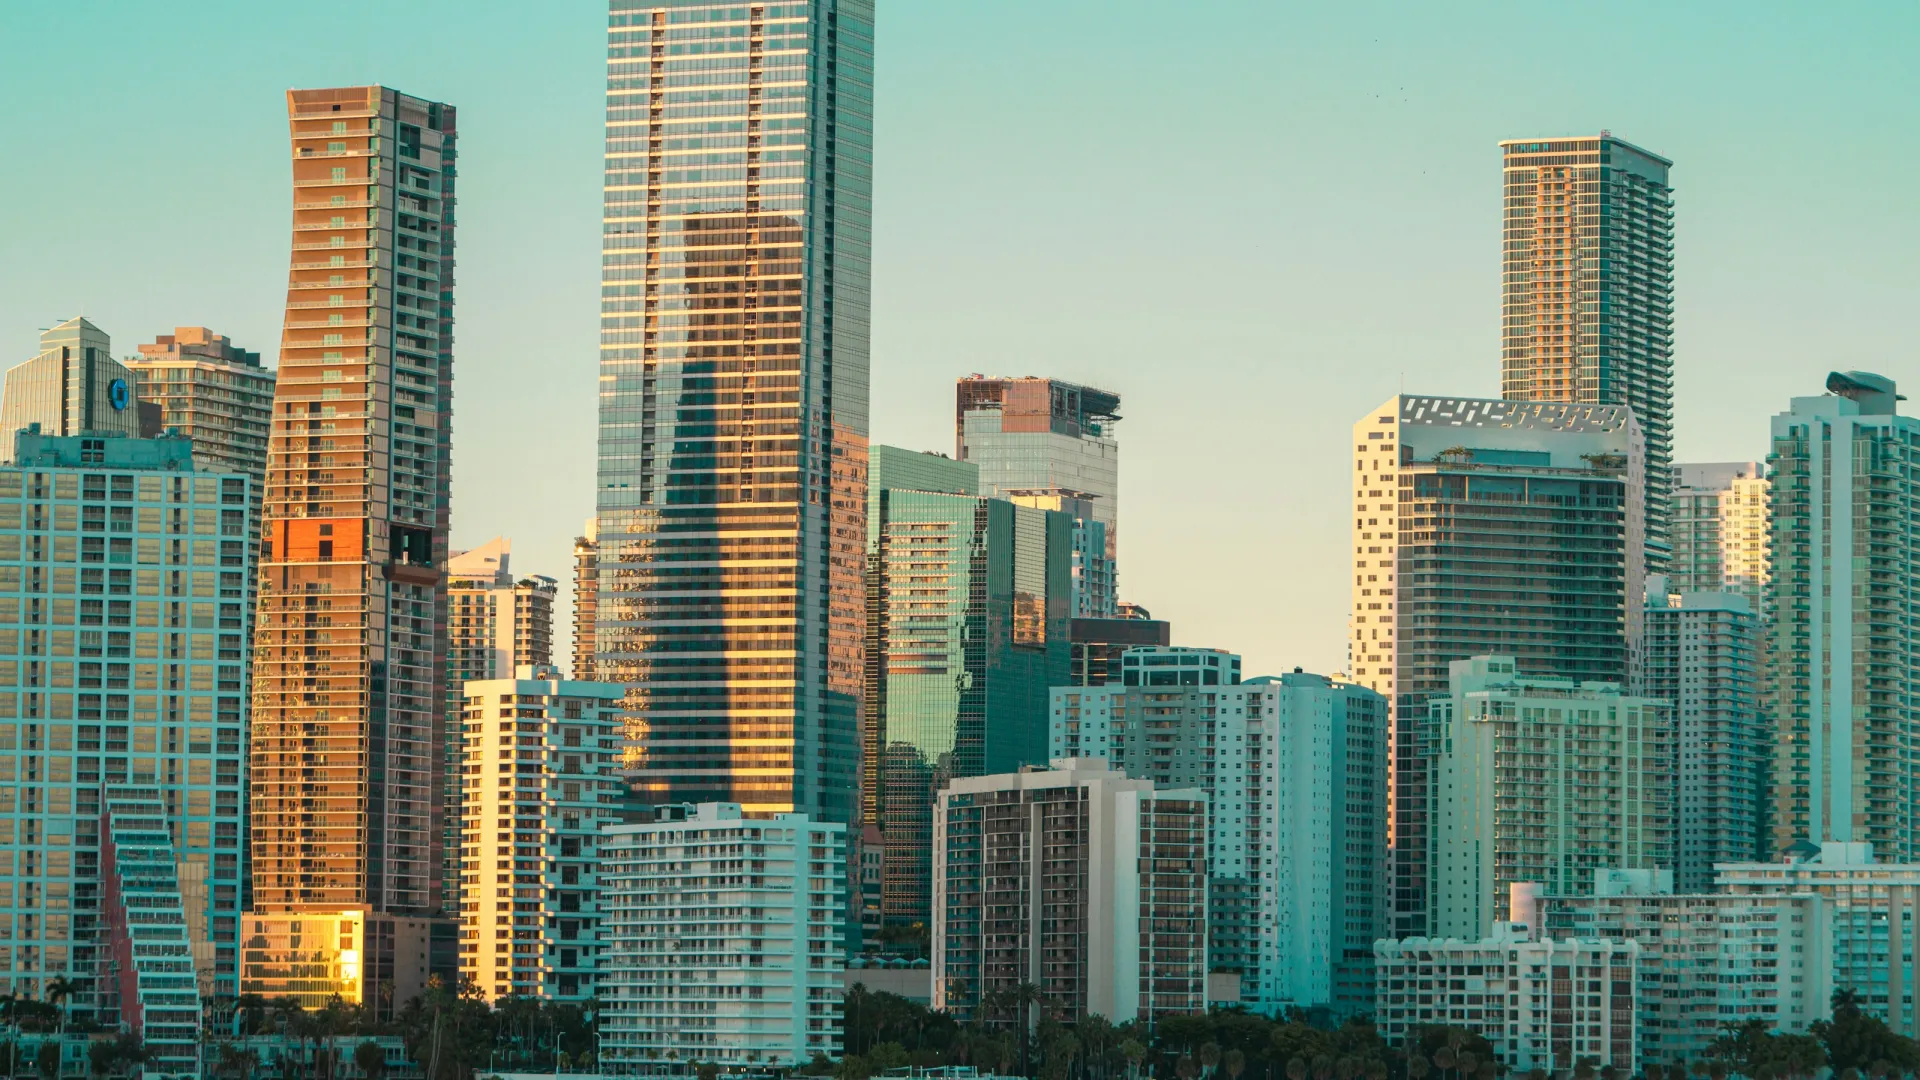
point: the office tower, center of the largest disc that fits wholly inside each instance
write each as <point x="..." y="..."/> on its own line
<point x="1541" y="780"/>
<point x="1295" y="770"/>
<point x="1098" y="645"/>
<point x="213" y="393"/>
<point x="1706" y="959"/>
<point x="753" y="907"/>
<point x="733" y="409"/>
<point x="586" y="597"/>
<point x="1720" y="527"/>
<point x="73" y="387"/>
<point x="891" y="468"/>
<point x="1702" y="660"/>
<point x="163" y="970"/>
<point x="540" y="766"/>
<point x="350" y="675"/>
<point x="1586" y="295"/>
<point x="123" y="633"/>
<point x="495" y="626"/>
<point x="967" y="631"/>
<point x="1843" y="677"/>
<point x="1485" y="527"/>
<point x="1051" y="444"/>
<point x="1086" y="884"/>
<point x="1542" y="1004"/>
<point x="1868" y="923"/>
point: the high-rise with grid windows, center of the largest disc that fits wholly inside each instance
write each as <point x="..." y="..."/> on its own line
<point x="733" y="396"/>
<point x="349" y="681"/>
<point x="1586" y="294"/>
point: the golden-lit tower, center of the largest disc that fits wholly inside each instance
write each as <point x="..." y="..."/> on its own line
<point x="349" y="678"/>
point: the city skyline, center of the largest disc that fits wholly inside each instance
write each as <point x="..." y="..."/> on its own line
<point x="1739" y="351"/>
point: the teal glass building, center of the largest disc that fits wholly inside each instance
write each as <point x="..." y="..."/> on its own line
<point x="124" y="631"/>
<point x="969" y="611"/>
<point x="733" y="397"/>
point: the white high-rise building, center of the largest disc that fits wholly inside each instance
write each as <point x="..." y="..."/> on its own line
<point x="540" y="775"/>
<point x="1843" y="672"/>
<point x="723" y="940"/>
<point x="1541" y="780"/>
<point x="1542" y="1004"/>
<point x="1087" y="884"/>
<point x="1295" y="768"/>
<point x="1701" y="659"/>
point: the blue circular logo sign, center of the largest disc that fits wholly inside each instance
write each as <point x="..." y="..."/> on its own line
<point x="119" y="395"/>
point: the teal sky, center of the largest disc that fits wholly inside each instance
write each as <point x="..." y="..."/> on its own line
<point x="1253" y="219"/>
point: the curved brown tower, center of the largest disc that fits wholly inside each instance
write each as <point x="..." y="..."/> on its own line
<point x="349" y="678"/>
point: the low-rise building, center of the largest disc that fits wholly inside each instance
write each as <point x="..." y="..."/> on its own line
<point x="1542" y="1004"/>
<point x="1087" y="884"/>
<point x="540" y="777"/>
<point x="722" y="940"/>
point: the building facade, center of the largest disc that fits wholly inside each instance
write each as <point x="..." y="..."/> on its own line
<point x="1708" y="961"/>
<point x="1721" y="533"/>
<point x="586" y="600"/>
<point x="1586" y="296"/>
<point x="213" y="393"/>
<point x="1078" y="880"/>
<point x="722" y="941"/>
<point x="1702" y="660"/>
<point x="1541" y="780"/>
<point x="1485" y="527"/>
<point x="123" y="646"/>
<point x="1098" y="645"/>
<point x="967" y="632"/>
<point x="1542" y="1004"/>
<point x="350" y="672"/>
<point x="1295" y="770"/>
<point x="157" y="966"/>
<point x="73" y="387"/>
<point x="733" y="410"/>
<point x="1051" y="444"/>
<point x="1843" y="679"/>
<point x="540" y="767"/>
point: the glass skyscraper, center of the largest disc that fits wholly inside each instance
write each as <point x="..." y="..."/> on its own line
<point x="967" y="601"/>
<point x="733" y="396"/>
<point x="73" y="387"/>
<point x="1586" y="294"/>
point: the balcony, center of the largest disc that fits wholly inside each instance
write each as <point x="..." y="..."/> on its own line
<point x="349" y="264"/>
<point x="332" y="206"/>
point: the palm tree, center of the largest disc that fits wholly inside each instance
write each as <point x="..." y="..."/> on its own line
<point x="46" y="1060"/>
<point x="59" y="992"/>
<point x="1418" y="1067"/>
<point x="1445" y="1058"/>
<point x="1025" y="999"/>
<point x="1135" y="1052"/>
<point x="1209" y="1058"/>
<point x="371" y="1060"/>
<point x="1236" y="1063"/>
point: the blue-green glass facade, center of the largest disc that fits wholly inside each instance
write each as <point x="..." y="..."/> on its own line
<point x="124" y="631"/>
<point x="969" y="620"/>
<point x="733" y="396"/>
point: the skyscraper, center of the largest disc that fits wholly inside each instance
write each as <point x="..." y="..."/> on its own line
<point x="123" y="631"/>
<point x="733" y="407"/>
<point x="1586" y="295"/>
<point x="967" y="633"/>
<point x="213" y="393"/>
<point x="1702" y="659"/>
<point x="1295" y="770"/>
<point x="1541" y="780"/>
<point x="1720" y="527"/>
<point x="1485" y="527"/>
<point x="1843" y="673"/>
<point x="586" y="599"/>
<point x="350" y="672"/>
<point x="1051" y="444"/>
<point x="495" y="625"/>
<point x="73" y="387"/>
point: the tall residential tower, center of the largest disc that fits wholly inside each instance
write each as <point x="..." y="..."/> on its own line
<point x="733" y="396"/>
<point x="1586" y="294"/>
<point x="1485" y="527"/>
<point x="350" y="664"/>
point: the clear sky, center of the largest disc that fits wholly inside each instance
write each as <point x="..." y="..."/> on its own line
<point x="1254" y="219"/>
